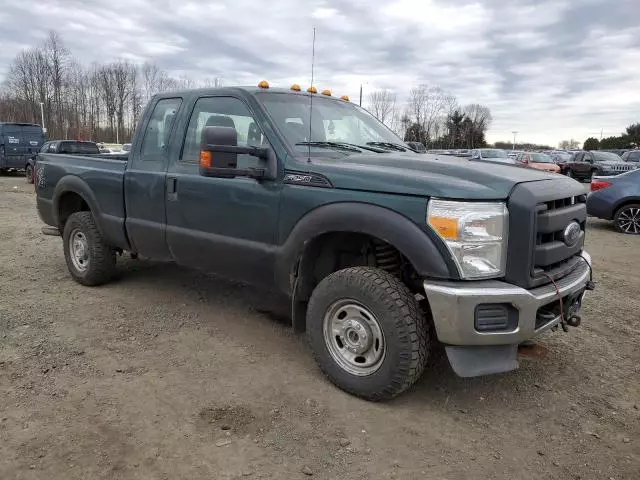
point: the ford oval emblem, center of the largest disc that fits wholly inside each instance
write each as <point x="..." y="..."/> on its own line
<point x="571" y="234"/>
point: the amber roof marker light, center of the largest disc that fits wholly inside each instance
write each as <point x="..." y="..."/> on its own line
<point x="263" y="84"/>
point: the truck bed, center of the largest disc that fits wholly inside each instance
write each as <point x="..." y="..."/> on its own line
<point x="100" y="178"/>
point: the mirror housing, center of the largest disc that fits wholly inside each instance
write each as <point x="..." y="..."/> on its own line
<point x="219" y="156"/>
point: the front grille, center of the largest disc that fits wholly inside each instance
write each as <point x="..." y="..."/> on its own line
<point x="620" y="167"/>
<point x="539" y="213"/>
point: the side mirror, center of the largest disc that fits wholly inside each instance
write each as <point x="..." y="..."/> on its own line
<point x="219" y="155"/>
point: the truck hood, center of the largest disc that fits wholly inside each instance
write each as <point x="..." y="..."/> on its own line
<point x="425" y="175"/>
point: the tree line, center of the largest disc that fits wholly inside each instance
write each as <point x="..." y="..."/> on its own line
<point x="432" y="117"/>
<point x="628" y="140"/>
<point x="99" y="102"/>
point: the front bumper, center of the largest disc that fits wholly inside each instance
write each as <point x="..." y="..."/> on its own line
<point x="471" y="352"/>
<point x="453" y="306"/>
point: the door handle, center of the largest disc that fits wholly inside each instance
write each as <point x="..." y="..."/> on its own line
<point x="172" y="189"/>
<point x="172" y="185"/>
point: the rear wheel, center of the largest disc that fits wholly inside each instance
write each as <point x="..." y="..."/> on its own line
<point x="367" y="332"/>
<point x="28" y="173"/>
<point x="627" y="219"/>
<point x="89" y="259"/>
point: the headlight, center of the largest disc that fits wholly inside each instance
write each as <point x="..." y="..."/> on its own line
<point x="476" y="234"/>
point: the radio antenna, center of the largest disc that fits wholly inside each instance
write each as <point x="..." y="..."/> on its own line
<point x="313" y="59"/>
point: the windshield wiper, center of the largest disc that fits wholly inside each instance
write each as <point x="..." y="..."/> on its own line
<point x="349" y="147"/>
<point x="389" y="145"/>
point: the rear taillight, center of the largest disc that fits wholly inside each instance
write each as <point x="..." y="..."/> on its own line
<point x="599" y="185"/>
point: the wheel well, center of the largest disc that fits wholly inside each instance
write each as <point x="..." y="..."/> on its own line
<point x="69" y="203"/>
<point x="335" y="251"/>
<point x="625" y="204"/>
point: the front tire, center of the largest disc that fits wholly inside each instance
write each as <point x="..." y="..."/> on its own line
<point x="89" y="259"/>
<point x="627" y="219"/>
<point x="28" y="173"/>
<point x="367" y="332"/>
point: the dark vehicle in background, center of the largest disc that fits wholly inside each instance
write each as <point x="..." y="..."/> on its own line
<point x="539" y="161"/>
<point x="617" y="198"/>
<point x="464" y="153"/>
<point x="18" y="143"/>
<point x="69" y="147"/>
<point x="561" y="159"/>
<point x="584" y="165"/>
<point x="492" y="155"/>
<point x="379" y="249"/>
<point x="417" y="146"/>
<point x="631" y="156"/>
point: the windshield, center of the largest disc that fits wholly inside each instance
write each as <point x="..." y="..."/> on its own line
<point x="493" y="153"/>
<point x="607" y="157"/>
<point x="332" y="121"/>
<point x="540" y="158"/>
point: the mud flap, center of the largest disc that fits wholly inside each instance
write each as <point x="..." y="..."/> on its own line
<point x="482" y="360"/>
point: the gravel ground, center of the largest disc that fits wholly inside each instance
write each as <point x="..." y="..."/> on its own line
<point x="169" y="374"/>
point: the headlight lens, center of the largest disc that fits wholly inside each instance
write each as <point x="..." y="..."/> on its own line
<point x="475" y="232"/>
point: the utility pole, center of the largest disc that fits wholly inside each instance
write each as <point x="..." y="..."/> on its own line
<point x="360" y="95"/>
<point x="42" y="116"/>
<point x="601" y="134"/>
<point x="514" y="140"/>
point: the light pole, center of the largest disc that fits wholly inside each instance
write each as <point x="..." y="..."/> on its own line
<point x="42" y="116"/>
<point x="514" y="140"/>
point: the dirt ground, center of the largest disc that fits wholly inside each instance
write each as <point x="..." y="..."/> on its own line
<point x="171" y="374"/>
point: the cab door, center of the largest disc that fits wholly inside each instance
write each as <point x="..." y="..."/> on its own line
<point x="226" y="226"/>
<point x="144" y="181"/>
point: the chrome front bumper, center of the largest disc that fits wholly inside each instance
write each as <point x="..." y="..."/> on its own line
<point x="453" y="306"/>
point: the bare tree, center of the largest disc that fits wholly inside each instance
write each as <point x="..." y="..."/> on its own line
<point x="382" y="105"/>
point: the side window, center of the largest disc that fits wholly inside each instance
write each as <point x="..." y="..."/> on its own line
<point x="587" y="158"/>
<point x="222" y="112"/>
<point x="44" y="147"/>
<point x="52" y="148"/>
<point x="156" y="134"/>
<point x="634" y="157"/>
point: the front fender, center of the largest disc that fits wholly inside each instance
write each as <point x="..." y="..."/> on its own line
<point x="419" y="244"/>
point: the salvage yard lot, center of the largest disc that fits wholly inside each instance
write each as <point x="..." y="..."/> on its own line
<point x="168" y="373"/>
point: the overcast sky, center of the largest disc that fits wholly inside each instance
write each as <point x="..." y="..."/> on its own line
<point x="551" y="70"/>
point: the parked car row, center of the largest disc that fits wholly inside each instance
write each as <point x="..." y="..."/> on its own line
<point x="617" y="198"/>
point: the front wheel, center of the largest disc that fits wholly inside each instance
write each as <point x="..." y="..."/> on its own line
<point x="367" y="332"/>
<point x="627" y="219"/>
<point x="89" y="259"/>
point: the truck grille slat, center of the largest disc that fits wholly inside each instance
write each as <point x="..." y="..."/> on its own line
<point x="539" y="215"/>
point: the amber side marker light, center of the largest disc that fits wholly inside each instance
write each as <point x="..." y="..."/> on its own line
<point x="205" y="159"/>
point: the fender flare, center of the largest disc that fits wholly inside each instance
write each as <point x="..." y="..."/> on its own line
<point x="73" y="184"/>
<point x="419" y="244"/>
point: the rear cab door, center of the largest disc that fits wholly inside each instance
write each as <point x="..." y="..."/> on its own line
<point x="226" y="226"/>
<point x="144" y="181"/>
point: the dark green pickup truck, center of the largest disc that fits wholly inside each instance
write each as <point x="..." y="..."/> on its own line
<point x="382" y="251"/>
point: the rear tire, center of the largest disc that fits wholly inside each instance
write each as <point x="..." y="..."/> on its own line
<point x="89" y="259"/>
<point x="28" y="173"/>
<point x="627" y="219"/>
<point x="367" y="332"/>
